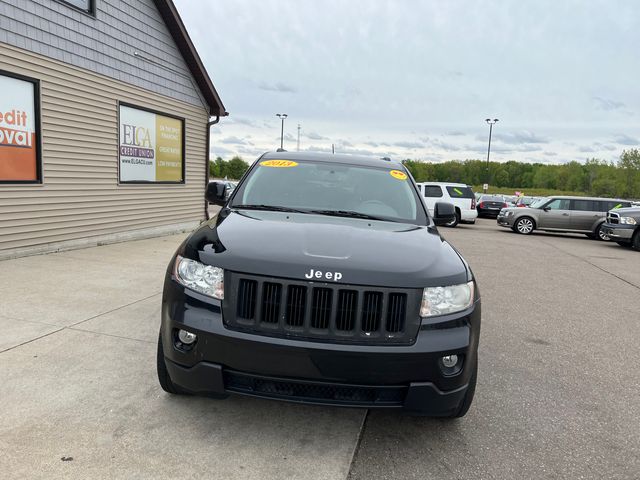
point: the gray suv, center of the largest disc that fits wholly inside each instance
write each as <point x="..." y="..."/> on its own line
<point x="562" y="214"/>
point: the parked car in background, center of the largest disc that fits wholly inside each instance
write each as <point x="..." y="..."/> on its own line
<point x="459" y="194"/>
<point x="510" y="200"/>
<point x="562" y="214"/>
<point x="490" y="205"/>
<point x="523" y="202"/>
<point x="623" y="227"/>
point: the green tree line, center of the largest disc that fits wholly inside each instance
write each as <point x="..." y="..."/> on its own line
<point x="594" y="177"/>
<point x="232" y="169"/>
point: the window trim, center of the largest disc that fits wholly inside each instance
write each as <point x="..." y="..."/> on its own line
<point x="424" y="193"/>
<point x="38" y="128"/>
<point x="594" y="203"/>
<point x="91" y="12"/>
<point x="184" y="147"/>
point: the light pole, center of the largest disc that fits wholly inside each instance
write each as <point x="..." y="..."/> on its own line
<point x="490" y="122"/>
<point x="298" y="149"/>
<point x="282" y="116"/>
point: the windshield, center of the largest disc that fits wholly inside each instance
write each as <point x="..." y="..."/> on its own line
<point x="539" y="202"/>
<point x="491" y="198"/>
<point x="331" y="188"/>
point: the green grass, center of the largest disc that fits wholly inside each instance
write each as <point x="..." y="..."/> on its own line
<point x="530" y="192"/>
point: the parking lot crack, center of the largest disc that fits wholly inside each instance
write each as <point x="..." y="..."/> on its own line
<point x="31" y="340"/>
<point x="356" y="448"/>
<point x="113" y="310"/>
<point x="592" y="264"/>
<point x="71" y="327"/>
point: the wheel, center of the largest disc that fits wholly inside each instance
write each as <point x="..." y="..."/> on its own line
<point x="468" y="397"/>
<point x="635" y="241"/>
<point x="163" y="374"/>
<point x="524" y="225"/>
<point x="455" y="222"/>
<point x="600" y="235"/>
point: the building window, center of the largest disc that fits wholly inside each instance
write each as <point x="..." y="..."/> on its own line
<point x="87" y="6"/>
<point x="150" y="146"/>
<point x="20" y="160"/>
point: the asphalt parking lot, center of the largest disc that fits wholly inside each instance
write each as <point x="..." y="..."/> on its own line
<point x="557" y="392"/>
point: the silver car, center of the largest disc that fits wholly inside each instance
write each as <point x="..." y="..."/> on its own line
<point x="562" y="214"/>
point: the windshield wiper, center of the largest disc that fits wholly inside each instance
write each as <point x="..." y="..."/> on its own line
<point x="270" y="208"/>
<point x="347" y="213"/>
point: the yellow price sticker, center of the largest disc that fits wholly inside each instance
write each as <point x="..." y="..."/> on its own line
<point x="398" y="174"/>
<point x="279" y="163"/>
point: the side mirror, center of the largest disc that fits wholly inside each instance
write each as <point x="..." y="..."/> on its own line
<point x="444" y="213"/>
<point x="216" y="193"/>
<point x="546" y="209"/>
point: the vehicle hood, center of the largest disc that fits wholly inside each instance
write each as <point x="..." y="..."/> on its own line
<point x="628" y="211"/>
<point x="290" y="245"/>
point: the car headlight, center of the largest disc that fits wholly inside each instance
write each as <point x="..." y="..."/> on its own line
<point x="443" y="300"/>
<point x="628" y="220"/>
<point x="199" y="277"/>
<point x="508" y="213"/>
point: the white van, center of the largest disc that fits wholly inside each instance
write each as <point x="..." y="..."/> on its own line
<point x="459" y="194"/>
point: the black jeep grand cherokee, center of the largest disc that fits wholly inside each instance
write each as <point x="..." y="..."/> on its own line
<point x="322" y="280"/>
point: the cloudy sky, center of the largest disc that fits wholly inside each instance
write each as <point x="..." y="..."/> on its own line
<point x="416" y="79"/>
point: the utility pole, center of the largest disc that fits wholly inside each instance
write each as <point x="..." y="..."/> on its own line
<point x="333" y="148"/>
<point x="490" y="122"/>
<point x="298" y="138"/>
<point x="282" y="116"/>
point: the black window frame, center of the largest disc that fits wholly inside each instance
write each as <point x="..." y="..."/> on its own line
<point x="424" y="193"/>
<point x="38" y="128"/>
<point x="466" y="187"/>
<point x="91" y="11"/>
<point x="595" y="205"/>
<point x="184" y="147"/>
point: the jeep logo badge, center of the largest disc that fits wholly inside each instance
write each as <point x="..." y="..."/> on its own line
<point x="335" y="276"/>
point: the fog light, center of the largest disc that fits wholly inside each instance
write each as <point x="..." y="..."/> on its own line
<point x="448" y="361"/>
<point x="187" y="337"/>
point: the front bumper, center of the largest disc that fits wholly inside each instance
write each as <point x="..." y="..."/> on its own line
<point x="504" y="221"/>
<point x="620" y="232"/>
<point x="407" y="377"/>
<point x="488" y="212"/>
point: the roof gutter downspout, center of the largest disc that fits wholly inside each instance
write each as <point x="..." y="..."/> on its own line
<point x="210" y="124"/>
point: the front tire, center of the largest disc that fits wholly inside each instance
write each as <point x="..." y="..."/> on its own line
<point x="455" y="222"/>
<point x="600" y="235"/>
<point x="635" y="241"/>
<point x="524" y="225"/>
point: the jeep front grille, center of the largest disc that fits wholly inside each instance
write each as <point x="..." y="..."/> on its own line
<point x="322" y="311"/>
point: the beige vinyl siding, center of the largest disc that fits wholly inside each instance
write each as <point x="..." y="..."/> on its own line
<point x="80" y="195"/>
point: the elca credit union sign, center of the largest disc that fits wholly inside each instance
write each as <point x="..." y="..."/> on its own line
<point x="19" y="148"/>
<point x="151" y="146"/>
